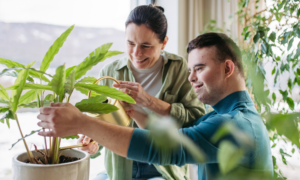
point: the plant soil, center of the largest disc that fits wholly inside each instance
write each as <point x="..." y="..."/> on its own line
<point x="62" y="159"/>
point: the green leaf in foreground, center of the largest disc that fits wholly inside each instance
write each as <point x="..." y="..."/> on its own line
<point x="19" y="82"/>
<point x="228" y="156"/>
<point x="34" y="104"/>
<point x="107" y="91"/>
<point x="71" y="137"/>
<point x="98" y="55"/>
<point x="94" y="105"/>
<point x="88" y="79"/>
<point x="285" y="125"/>
<point x="53" y="50"/>
<point x="70" y="82"/>
<point x="28" y="97"/>
<point x="3" y="93"/>
<point x="58" y="82"/>
<point x="32" y="132"/>
<point x="32" y="86"/>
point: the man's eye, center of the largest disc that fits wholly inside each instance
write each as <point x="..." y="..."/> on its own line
<point x="198" y="69"/>
<point x="131" y="44"/>
<point x="146" y="46"/>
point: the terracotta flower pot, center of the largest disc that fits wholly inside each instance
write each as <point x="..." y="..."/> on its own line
<point x="76" y="170"/>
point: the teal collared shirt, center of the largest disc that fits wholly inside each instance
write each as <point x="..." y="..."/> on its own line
<point x="237" y="108"/>
<point x="176" y="90"/>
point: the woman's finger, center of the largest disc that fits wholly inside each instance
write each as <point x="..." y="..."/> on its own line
<point x="86" y="140"/>
<point x="80" y="140"/>
<point x="45" y="125"/>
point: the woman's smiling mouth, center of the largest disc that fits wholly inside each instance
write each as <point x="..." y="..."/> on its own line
<point x="141" y="61"/>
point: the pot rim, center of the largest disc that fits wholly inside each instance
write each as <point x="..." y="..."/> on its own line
<point x="17" y="162"/>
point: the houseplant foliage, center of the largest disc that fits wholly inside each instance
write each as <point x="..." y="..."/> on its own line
<point x="60" y="85"/>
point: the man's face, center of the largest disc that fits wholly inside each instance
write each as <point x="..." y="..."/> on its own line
<point x="207" y="75"/>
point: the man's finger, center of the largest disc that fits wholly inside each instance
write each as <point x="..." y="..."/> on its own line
<point x="46" y="133"/>
<point x="45" y="125"/>
<point x="46" y="110"/>
<point x="56" y="104"/>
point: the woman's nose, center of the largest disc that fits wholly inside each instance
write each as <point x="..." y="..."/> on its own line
<point x="137" y="51"/>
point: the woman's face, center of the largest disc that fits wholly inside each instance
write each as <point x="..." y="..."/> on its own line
<point x="143" y="46"/>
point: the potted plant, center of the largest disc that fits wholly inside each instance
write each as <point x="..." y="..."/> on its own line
<point x="51" y="162"/>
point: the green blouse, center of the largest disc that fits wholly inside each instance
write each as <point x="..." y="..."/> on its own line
<point x="176" y="90"/>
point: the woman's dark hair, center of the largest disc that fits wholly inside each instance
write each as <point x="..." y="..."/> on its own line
<point x="226" y="47"/>
<point x="151" y="16"/>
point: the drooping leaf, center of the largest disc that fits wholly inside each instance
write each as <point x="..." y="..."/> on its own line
<point x="96" y="108"/>
<point x="71" y="137"/>
<point x="98" y="55"/>
<point x="33" y="72"/>
<point x="290" y="44"/>
<point x="53" y="50"/>
<point x="82" y="90"/>
<point x="32" y="132"/>
<point x="7" y="116"/>
<point x="96" y="99"/>
<point x="88" y="80"/>
<point x="10" y="63"/>
<point x="3" y="109"/>
<point x="256" y="37"/>
<point x="107" y="91"/>
<point x="229" y="156"/>
<point x="69" y="70"/>
<point x="272" y="36"/>
<point x="34" y="104"/>
<point x="32" y="86"/>
<point x="28" y="97"/>
<point x="291" y="103"/>
<point x="58" y="82"/>
<point x="70" y="82"/>
<point x="3" y="93"/>
<point x="15" y="74"/>
<point x="285" y="125"/>
<point x="2" y="101"/>
<point x="49" y="97"/>
<point x="20" y="82"/>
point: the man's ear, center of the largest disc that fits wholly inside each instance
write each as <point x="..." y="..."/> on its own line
<point x="229" y="68"/>
<point x="165" y="42"/>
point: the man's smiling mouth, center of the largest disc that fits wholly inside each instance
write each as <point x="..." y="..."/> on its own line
<point x="140" y="61"/>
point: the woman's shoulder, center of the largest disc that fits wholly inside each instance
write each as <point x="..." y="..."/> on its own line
<point x="114" y="65"/>
<point x="175" y="59"/>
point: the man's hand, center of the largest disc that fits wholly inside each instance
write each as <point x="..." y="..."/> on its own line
<point x="63" y="119"/>
<point x="91" y="146"/>
<point x="136" y="91"/>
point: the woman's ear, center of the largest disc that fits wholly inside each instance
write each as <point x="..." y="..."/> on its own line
<point x="229" y="68"/>
<point x="165" y="42"/>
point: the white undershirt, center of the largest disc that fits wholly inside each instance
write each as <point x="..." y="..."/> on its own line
<point x="150" y="79"/>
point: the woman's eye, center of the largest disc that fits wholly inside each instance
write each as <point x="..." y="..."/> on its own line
<point x="145" y="46"/>
<point x="198" y="69"/>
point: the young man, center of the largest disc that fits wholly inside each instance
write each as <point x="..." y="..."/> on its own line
<point x="216" y="73"/>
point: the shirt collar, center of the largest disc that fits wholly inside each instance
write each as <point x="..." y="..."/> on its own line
<point x="229" y="102"/>
<point x="166" y="57"/>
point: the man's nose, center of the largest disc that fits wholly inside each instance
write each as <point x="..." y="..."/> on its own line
<point x="192" y="77"/>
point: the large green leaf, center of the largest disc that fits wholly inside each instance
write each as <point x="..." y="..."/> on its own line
<point x="28" y="97"/>
<point x="88" y="80"/>
<point x="27" y="135"/>
<point x="69" y="70"/>
<point x="98" y="55"/>
<point x="53" y="50"/>
<point x="285" y="125"/>
<point x="20" y="82"/>
<point x="10" y="63"/>
<point x="70" y="82"/>
<point x="58" y="82"/>
<point x="3" y="93"/>
<point x="96" y="108"/>
<point x="229" y="156"/>
<point x="32" y="86"/>
<point x="34" y="104"/>
<point x="96" y="99"/>
<point x="107" y="91"/>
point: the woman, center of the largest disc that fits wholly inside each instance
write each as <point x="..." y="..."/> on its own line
<point x="157" y="81"/>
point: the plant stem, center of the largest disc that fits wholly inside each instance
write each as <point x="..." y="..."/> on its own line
<point x="29" y="153"/>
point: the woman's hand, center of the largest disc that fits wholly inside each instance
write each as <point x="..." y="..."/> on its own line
<point x="91" y="146"/>
<point x="136" y="91"/>
<point x="137" y="113"/>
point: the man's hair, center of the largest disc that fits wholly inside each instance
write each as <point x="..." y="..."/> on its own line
<point x="226" y="48"/>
